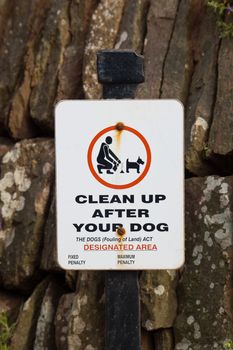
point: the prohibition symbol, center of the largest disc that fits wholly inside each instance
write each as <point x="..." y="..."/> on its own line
<point x="119" y="159"/>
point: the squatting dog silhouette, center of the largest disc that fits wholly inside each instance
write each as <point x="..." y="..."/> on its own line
<point x="134" y="165"/>
<point x="106" y="159"/>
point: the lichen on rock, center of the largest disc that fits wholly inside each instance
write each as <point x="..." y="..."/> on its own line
<point x="205" y="289"/>
<point x="158" y="296"/>
<point x="102" y="34"/>
<point x="24" y="196"/>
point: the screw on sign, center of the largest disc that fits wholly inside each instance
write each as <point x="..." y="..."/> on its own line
<point x="120" y="72"/>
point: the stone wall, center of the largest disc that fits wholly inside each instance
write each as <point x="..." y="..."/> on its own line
<point x="48" y="53"/>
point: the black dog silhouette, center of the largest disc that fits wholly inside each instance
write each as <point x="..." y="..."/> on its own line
<point x="134" y="165"/>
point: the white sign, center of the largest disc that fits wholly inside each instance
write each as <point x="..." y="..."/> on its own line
<point x="120" y="184"/>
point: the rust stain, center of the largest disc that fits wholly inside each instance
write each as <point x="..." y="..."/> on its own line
<point x="121" y="231"/>
<point x="119" y="129"/>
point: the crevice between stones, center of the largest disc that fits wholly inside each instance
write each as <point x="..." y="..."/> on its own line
<point x="168" y="48"/>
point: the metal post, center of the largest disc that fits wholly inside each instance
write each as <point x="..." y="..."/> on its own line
<point x="120" y="72"/>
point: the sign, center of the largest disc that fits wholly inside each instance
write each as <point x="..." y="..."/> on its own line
<point x="120" y="180"/>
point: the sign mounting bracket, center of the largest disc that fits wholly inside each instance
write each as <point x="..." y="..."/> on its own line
<point x="120" y="72"/>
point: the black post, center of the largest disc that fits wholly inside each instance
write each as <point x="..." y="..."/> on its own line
<point x="120" y="72"/>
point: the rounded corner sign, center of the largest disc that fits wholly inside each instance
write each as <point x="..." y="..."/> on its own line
<point x="120" y="184"/>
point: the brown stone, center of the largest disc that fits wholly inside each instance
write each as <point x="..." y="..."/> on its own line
<point x="158" y="298"/>
<point x="52" y="64"/>
<point x="221" y="133"/>
<point x="164" y="339"/>
<point x="49" y="260"/>
<point x="133" y="26"/>
<point x="62" y="321"/>
<point x="202" y="93"/>
<point x="45" y="329"/>
<point x="160" y="24"/>
<point x="104" y="27"/>
<point x="178" y="63"/>
<point x="19" y="123"/>
<point x="5" y="145"/>
<point x="24" y="333"/>
<point x="49" y="57"/>
<point x="205" y="290"/>
<point x="5" y="11"/>
<point x="10" y="305"/>
<point x="86" y="325"/>
<point x="147" y="341"/>
<point x="49" y="253"/>
<point x="13" y="50"/>
<point x="27" y="174"/>
<point x="71" y="279"/>
<point x="70" y="72"/>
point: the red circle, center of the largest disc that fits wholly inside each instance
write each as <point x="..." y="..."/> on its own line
<point x="105" y="183"/>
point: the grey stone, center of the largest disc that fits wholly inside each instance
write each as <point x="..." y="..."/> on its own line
<point x="45" y="329"/>
<point x="205" y="290"/>
<point x="24" y="333"/>
<point x="86" y="322"/>
<point x="62" y="321"/>
<point x="27" y="175"/>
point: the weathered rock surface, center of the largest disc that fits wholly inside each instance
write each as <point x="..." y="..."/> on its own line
<point x="158" y="298"/>
<point x="62" y="321"/>
<point x="160" y="22"/>
<point x="59" y="58"/>
<point x="104" y="27"/>
<point x="71" y="279"/>
<point x="70" y="72"/>
<point x="52" y="64"/>
<point x="5" y="145"/>
<point x="164" y="339"/>
<point x="24" y="333"/>
<point x="177" y="70"/>
<point x="48" y="59"/>
<point x="86" y="323"/>
<point x="221" y="136"/>
<point x="5" y="11"/>
<point x="202" y="93"/>
<point x="12" y="50"/>
<point x="19" y="122"/>
<point x="10" y="305"/>
<point x="45" y="329"/>
<point x="147" y="340"/>
<point x="133" y="26"/>
<point x="48" y="53"/>
<point x="27" y="173"/>
<point x="205" y="291"/>
<point x="49" y="251"/>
